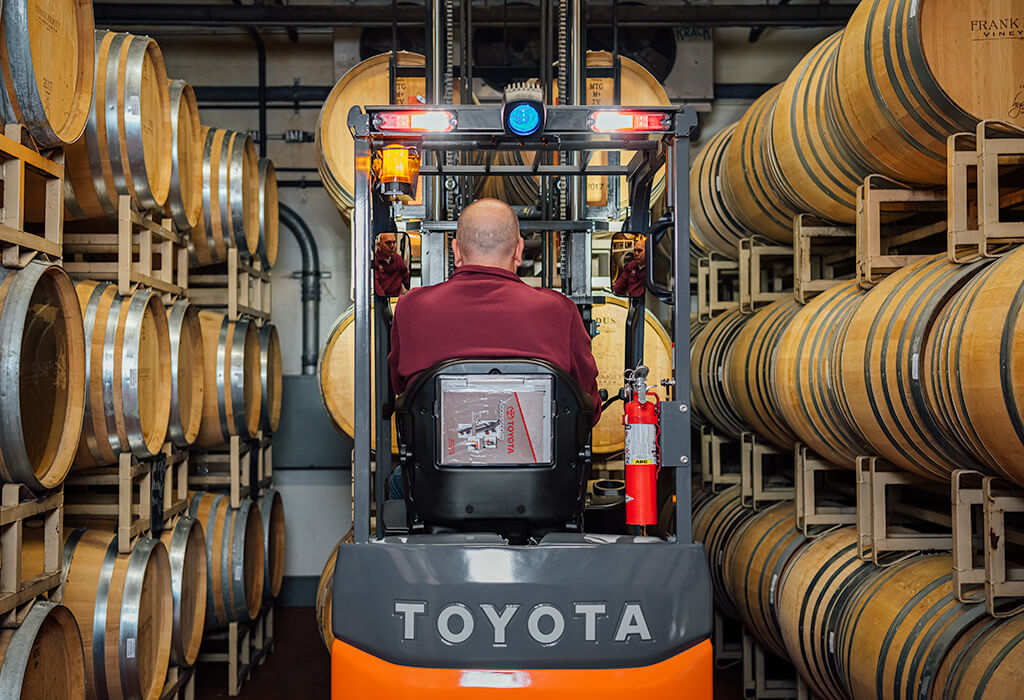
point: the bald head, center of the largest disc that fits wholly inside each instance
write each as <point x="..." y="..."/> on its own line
<point x="488" y="234"/>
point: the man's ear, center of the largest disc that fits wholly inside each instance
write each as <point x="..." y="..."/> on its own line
<point x="456" y="254"/>
<point x="518" y="257"/>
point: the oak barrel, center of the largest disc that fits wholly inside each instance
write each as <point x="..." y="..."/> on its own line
<point x="47" y="62"/>
<point x="897" y="625"/>
<point x="715" y="521"/>
<point x="750" y="372"/>
<point x="270" y="378"/>
<point x="883" y="368"/>
<point x="754" y="561"/>
<point x="188" y="383"/>
<point x="235" y="562"/>
<point x="752" y="187"/>
<point x="42" y="658"/>
<point x="714" y="228"/>
<point x="208" y="243"/>
<point x="42" y="377"/>
<point x="272" y="511"/>
<point x="186" y="550"/>
<point x="127" y="146"/>
<point x="910" y="73"/>
<point x="808" y="382"/>
<point x="231" y="361"/>
<point x="985" y="663"/>
<point x="325" y="594"/>
<point x="821" y="174"/>
<point x="185" y="196"/>
<point x="124" y="607"/>
<point x="128" y="374"/>
<point x="709" y="353"/>
<point x="268" y="210"/>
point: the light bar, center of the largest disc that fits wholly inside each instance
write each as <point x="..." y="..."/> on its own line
<point x="607" y="120"/>
<point x="420" y="121"/>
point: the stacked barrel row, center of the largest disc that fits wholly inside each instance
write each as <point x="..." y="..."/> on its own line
<point x="853" y="630"/>
<point x="880" y="96"/>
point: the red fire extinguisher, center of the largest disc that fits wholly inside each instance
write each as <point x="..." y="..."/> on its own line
<point x="642" y="454"/>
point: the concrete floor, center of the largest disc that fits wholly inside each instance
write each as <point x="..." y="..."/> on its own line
<point x="299" y="668"/>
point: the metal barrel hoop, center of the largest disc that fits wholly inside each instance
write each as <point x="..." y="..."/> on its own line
<point x="111" y="122"/>
<point x="176" y="197"/>
<point x="131" y="604"/>
<point x="238" y="378"/>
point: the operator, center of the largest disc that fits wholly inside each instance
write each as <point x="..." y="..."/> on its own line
<point x="390" y="273"/>
<point x="485" y="311"/>
<point x="631" y="281"/>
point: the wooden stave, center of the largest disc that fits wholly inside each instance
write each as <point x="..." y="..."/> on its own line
<point x="270" y="378"/>
<point x="709" y="351"/>
<point x="185" y="197"/>
<point x="752" y="188"/>
<point x="325" y="594"/>
<point x="801" y="394"/>
<point x="183" y="327"/>
<point x="884" y="342"/>
<point x="20" y="98"/>
<point x="17" y="465"/>
<point x="272" y="512"/>
<point x="234" y="545"/>
<point x="106" y="163"/>
<point x="898" y="125"/>
<point x="986" y="659"/>
<point x="115" y="421"/>
<point x="223" y="362"/>
<point x="188" y="587"/>
<point x="712" y="224"/>
<point x="822" y="175"/>
<point x="118" y="673"/>
<point x="18" y="648"/>
<point x="269" y="212"/>
<point x="750" y="366"/>
<point x="754" y="560"/>
<point x="903" y="661"/>
<point x="715" y="521"/>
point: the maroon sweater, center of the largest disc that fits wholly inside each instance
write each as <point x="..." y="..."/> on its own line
<point x="487" y="312"/>
<point x="631" y="282"/>
<point x="389" y="275"/>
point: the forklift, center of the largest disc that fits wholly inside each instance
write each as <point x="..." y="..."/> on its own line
<point x="485" y="580"/>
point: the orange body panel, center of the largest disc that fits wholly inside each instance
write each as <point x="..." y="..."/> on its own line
<point x="356" y="675"/>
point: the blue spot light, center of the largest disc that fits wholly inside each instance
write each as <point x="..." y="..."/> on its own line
<point x="523" y="120"/>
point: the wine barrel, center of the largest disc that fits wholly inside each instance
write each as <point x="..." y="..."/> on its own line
<point x="714" y="228"/>
<point x="715" y="521"/>
<point x="231" y="361"/>
<point x="909" y="74"/>
<point x="126" y="148"/>
<point x="808" y="383"/>
<point x="42" y="380"/>
<point x="188" y="386"/>
<point x="268" y="211"/>
<point x="127" y="373"/>
<point x="754" y="560"/>
<point x="822" y="175"/>
<point x="124" y="606"/>
<point x="810" y="595"/>
<point x="752" y="187"/>
<point x="272" y="511"/>
<point x="185" y="196"/>
<point x="699" y="248"/>
<point x="208" y="243"/>
<point x="896" y="627"/>
<point x="985" y="662"/>
<point x="750" y="369"/>
<point x="709" y="353"/>
<point x="47" y="61"/>
<point x="238" y="187"/>
<point x="365" y="84"/>
<point x="325" y="594"/>
<point x="882" y="367"/>
<point x="234" y="563"/>
<point x="980" y="345"/>
<point x="270" y="378"/>
<point x="42" y="658"/>
<point x="186" y="549"/>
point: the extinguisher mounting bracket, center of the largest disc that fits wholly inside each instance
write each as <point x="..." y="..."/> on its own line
<point x="675" y="435"/>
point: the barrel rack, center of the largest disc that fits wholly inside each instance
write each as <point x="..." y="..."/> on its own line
<point x="242" y="647"/>
<point x="237" y="287"/>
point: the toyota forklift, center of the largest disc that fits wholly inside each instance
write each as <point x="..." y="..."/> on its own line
<point x="488" y="578"/>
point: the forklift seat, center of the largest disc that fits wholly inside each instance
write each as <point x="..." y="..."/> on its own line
<point x="497" y="445"/>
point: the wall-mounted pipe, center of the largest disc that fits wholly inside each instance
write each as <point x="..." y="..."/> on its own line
<point x="310" y="285"/>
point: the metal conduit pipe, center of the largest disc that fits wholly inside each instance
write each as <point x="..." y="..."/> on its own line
<point x="310" y="285"/>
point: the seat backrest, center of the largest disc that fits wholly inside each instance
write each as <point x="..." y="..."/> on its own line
<point x="499" y="445"/>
